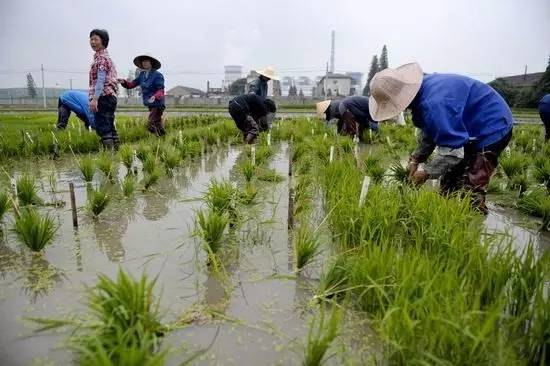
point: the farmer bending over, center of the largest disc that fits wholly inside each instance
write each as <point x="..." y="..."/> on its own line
<point x="152" y="90"/>
<point x="544" y="111"/>
<point x="329" y="110"/>
<point x="103" y="89"/>
<point x="74" y="101"/>
<point x="468" y="122"/>
<point x="252" y="114"/>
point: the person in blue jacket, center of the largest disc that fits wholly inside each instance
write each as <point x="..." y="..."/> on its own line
<point x="544" y="111"/>
<point x="467" y="120"/>
<point x="259" y="86"/>
<point x="75" y="101"/>
<point x="151" y="82"/>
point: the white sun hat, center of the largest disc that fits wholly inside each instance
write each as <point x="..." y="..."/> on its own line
<point x="268" y="72"/>
<point x="322" y="108"/>
<point x="392" y="90"/>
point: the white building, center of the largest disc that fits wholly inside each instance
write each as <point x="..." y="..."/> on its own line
<point x="231" y="73"/>
<point x="356" y="82"/>
<point x="334" y="85"/>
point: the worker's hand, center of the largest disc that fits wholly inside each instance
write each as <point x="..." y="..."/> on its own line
<point x="93" y="105"/>
<point x="152" y="99"/>
<point x="121" y="81"/>
<point x="412" y="167"/>
<point x="419" y="177"/>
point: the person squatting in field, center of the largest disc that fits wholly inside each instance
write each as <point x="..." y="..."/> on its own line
<point x="352" y="114"/>
<point x="544" y="111"/>
<point x="467" y="120"/>
<point x="252" y="114"/>
<point x="74" y="101"/>
<point x="103" y="88"/>
<point x="151" y="82"/>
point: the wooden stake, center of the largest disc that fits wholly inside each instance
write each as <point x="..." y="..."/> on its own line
<point x="364" y="190"/>
<point x="73" y="205"/>
<point x="290" y="223"/>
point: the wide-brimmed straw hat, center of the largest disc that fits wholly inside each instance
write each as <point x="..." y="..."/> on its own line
<point x="392" y="90"/>
<point x="268" y="72"/>
<point x="154" y="62"/>
<point x="322" y="108"/>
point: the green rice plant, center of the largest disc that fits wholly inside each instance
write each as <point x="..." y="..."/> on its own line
<point x="536" y="202"/>
<point x="98" y="199"/>
<point x="249" y="194"/>
<point x="128" y="185"/>
<point x="143" y="151"/>
<point x="34" y="230"/>
<point x="27" y="191"/>
<point x="513" y="165"/>
<point x="307" y="247"/>
<point x="171" y="158"/>
<point x="269" y="175"/>
<point x="322" y="332"/>
<point x="376" y="172"/>
<point x="248" y="170"/>
<point x="370" y="161"/>
<point x="86" y="165"/>
<point x="542" y="171"/>
<point x="126" y="155"/>
<point x="398" y="172"/>
<point x="221" y="196"/>
<point x="151" y="178"/>
<point x="126" y="323"/>
<point x="108" y="165"/>
<point x="519" y="182"/>
<point x="5" y="204"/>
<point x="150" y="164"/>
<point x="211" y="229"/>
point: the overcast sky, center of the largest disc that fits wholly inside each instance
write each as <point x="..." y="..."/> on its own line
<point x="194" y="39"/>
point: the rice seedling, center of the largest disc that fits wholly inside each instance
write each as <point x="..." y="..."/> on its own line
<point x="542" y="171"/>
<point x="126" y="154"/>
<point x="399" y="172"/>
<point x="211" y="229"/>
<point x="150" y="164"/>
<point x="171" y="158"/>
<point x="322" y="332"/>
<point x="537" y="203"/>
<point x="27" y="191"/>
<point x="5" y="204"/>
<point x="248" y="195"/>
<point x="98" y="200"/>
<point x="34" y="230"/>
<point x="248" y="170"/>
<point x="519" y="182"/>
<point x="220" y="196"/>
<point x="376" y="172"/>
<point x="307" y="247"/>
<point x="128" y="185"/>
<point x="513" y="165"/>
<point x="107" y="163"/>
<point x="86" y="165"/>
<point x="269" y="175"/>
<point x="143" y="152"/>
<point x="151" y="178"/>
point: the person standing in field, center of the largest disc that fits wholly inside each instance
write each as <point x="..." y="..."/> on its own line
<point x="103" y="88"/>
<point x="74" y="101"/>
<point x="252" y="114"/>
<point x="151" y="82"/>
<point x="258" y="86"/>
<point x="467" y="120"/>
<point x="544" y="111"/>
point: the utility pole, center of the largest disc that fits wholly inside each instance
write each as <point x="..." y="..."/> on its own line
<point x="43" y="89"/>
<point x="333" y="41"/>
<point x="525" y="73"/>
<point x="71" y="84"/>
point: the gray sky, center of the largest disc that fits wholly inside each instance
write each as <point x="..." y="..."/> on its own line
<point x="194" y="39"/>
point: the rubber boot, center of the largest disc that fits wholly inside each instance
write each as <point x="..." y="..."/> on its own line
<point x="250" y="138"/>
<point x="109" y="144"/>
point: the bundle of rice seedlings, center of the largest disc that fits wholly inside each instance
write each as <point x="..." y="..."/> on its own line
<point x="211" y="229"/>
<point x="128" y="185"/>
<point x="126" y="154"/>
<point x="87" y="168"/>
<point x="27" y="191"/>
<point x="5" y="204"/>
<point x="34" y="230"/>
<point x="321" y="333"/>
<point x="107" y="164"/>
<point x="97" y="200"/>
<point x="248" y="170"/>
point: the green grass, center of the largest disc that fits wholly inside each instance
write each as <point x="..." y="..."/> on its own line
<point x="86" y="165"/>
<point x="5" y="204"/>
<point x="98" y="200"/>
<point x="27" y="190"/>
<point x="35" y="230"/>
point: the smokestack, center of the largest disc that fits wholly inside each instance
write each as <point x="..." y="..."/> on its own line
<point x="332" y="51"/>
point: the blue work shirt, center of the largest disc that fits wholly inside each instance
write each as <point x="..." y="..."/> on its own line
<point x="454" y="109"/>
<point x="258" y="87"/>
<point x="150" y="82"/>
<point x="544" y="105"/>
<point x="77" y="101"/>
<point x="359" y="107"/>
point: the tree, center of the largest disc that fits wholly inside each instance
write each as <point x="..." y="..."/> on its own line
<point x="507" y="91"/>
<point x="301" y="93"/>
<point x="31" y="86"/>
<point x="373" y="70"/>
<point x="383" y="59"/>
<point x="237" y="87"/>
<point x="292" y="91"/>
<point x="543" y="85"/>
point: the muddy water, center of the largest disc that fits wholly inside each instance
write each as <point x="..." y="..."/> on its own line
<point x="258" y="316"/>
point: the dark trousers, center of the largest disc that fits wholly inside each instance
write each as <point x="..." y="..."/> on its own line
<point x="474" y="171"/>
<point x="243" y="120"/>
<point x="63" y="114"/>
<point x="154" y="123"/>
<point x="105" y="119"/>
<point x="544" y="112"/>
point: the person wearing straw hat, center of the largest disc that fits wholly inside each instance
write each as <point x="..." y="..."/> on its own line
<point x="355" y="117"/>
<point x="466" y="120"/>
<point x="328" y="110"/>
<point x="544" y="112"/>
<point x="258" y="86"/>
<point x="151" y="82"/>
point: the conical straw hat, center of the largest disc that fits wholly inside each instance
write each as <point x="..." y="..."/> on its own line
<point x="322" y="108"/>
<point x="268" y="72"/>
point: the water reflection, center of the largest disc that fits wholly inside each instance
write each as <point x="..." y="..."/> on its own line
<point x="39" y="276"/>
